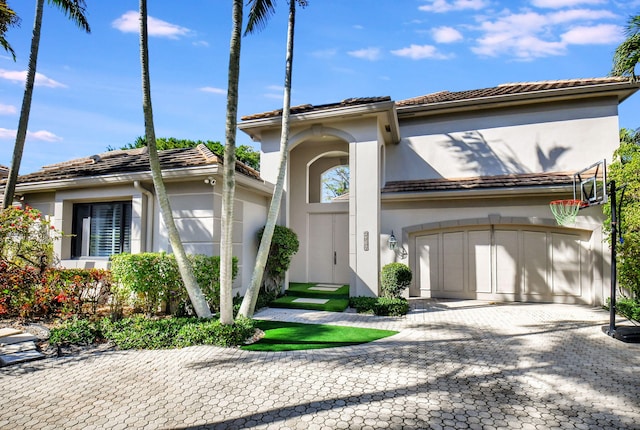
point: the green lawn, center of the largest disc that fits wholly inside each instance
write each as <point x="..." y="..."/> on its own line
<point x="333" y="305"/>
<point x="288" y="336"/>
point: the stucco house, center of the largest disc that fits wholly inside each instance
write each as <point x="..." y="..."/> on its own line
<point x="462" y="180"/>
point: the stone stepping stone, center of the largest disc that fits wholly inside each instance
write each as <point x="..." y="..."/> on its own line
<point x="20" y="357"/>
<point x="332" y="289"/>
<point x="336" y="286"/>
<point x="308" y="300"/>
<point x="17" y="347"/>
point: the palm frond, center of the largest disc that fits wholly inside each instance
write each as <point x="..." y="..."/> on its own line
<point x="259" y="13"/>
<point x="75" y="10"/>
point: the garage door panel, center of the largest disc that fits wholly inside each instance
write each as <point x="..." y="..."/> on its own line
<point x="480" y="261"/>
<point x="453" y="272"/>
<point x="565" y="251"/>
<point x="535" y="263"/>
<point x="507" y="274"/>
<point x="428" y="250"/>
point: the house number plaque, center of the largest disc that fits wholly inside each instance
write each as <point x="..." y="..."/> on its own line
<point x="366" y="240"/>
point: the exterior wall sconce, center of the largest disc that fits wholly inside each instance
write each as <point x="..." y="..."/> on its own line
<point x="393" y="245"/>
<point x="393" y="242"/>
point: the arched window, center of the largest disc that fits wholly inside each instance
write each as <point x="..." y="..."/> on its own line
<point x="334" y="184"/>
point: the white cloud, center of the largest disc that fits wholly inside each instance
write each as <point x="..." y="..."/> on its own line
<point x="370" y="54"/>
<point x="7" y="109"/>
<point x="529" y="35"/>
<point x="43" y="135"/>
<point x="203" y="43"/>
<point x="602" y="34"/>
<point x="129" y="22"/>
<point x="420" y="52"/>
<point x="440" y="6"/>
<point x="275" y="88"/>
<point x="557" y="4"/>
<point x="358" y="27"/>
<point x="21" y="76"/>
<point x="213" y="90"/>
<point x="446" y="34"/>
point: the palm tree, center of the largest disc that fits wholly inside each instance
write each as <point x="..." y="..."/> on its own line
<point x="229" y="168"/>
<point x="74" y="9"/>
<point x="627" y="55"/>
<point x="8" y="18"/>
<point x="184" y="266"/>
<point x="257" y="18"/>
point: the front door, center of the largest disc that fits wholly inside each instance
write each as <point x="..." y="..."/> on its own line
<point x="329" y="248"/>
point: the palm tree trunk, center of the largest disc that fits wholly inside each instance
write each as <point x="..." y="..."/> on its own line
<point x="247" y="308"/>
<point x="228" y="179"/>
<point x="23" y="122"/>
<point x="184" y="266"/>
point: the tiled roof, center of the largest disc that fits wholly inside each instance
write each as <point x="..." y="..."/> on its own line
<point x="448" y="96"/>
<point x="311" y="108"/>
<point x="483" y="182"/>
<point x="4" y="171"/>
<point x="129" y="161"/>
<point x="507" y="89"/>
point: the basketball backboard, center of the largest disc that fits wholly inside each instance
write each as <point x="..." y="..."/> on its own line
<point x="590" y="184"/>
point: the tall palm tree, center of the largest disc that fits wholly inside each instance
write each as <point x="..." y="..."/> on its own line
<point x="8" y="18"/>
<point x="627" y="55"/>
<point x="229" y="168"/>
<point x="257" y="18"/>
<point x="74" y="9"/>
<point x="184" y="266"/>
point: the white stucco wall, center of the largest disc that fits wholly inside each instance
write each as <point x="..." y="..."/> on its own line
<point x="541" y="138"/>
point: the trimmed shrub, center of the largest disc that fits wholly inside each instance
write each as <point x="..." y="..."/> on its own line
<point x="363" y="304"/>
<point x="149" y="279"/>
<point x="381" y="306"/>
<point x="394" y="279"/>
<point x="283" y="245"/>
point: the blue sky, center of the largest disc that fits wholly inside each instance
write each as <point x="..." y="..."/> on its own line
<point x="88" y="95"/>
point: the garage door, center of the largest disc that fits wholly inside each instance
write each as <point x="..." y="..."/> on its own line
<point x="513" y="264"/>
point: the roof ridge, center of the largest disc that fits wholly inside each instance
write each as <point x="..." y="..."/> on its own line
<point x="563" y="81"/>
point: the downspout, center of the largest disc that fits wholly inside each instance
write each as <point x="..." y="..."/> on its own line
<point x="148" y="242"/>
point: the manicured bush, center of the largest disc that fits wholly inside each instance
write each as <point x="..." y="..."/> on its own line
<point x="283" y="245"/>
<point x="149" y="279"/>
<point x="394" y="279"/>
<point x="629" y="308"/>
<point x="381" y="306"/>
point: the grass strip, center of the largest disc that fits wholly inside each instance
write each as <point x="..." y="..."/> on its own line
<point x="304" y="290"/>
<point x="290" y="336"/>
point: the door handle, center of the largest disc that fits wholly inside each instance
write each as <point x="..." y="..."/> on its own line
<point x="335" y="258"/>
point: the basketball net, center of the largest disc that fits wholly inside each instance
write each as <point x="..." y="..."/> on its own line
<point x="565" y="211"/>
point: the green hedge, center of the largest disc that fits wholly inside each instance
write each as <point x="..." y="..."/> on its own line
<point x="394" y="279"/>
<point x="146" y="280"/>
<point x="382" y="306"/>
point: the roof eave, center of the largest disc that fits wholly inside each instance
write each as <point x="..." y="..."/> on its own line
<point x="622" y="90"/>
<point x="493" y="192"/>
<point x="255" y="127"/>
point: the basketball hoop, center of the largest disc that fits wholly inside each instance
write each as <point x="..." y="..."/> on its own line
<point x="565" y="211"/>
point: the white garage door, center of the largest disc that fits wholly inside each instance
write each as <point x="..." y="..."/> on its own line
<point x="504" y="263"/>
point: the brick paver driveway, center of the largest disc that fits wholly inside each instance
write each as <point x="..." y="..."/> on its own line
<point x="455" y="364"/>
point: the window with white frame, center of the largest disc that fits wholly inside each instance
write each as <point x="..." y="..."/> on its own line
<point x="101" y="229"/>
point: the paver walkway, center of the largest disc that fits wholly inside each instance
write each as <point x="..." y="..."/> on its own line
<point x="454" y="364"/>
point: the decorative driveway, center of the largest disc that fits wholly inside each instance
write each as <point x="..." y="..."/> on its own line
<point x="454" y="364"/>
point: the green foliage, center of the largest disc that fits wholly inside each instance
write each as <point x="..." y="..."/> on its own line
<point x="629" y="308"/>
<point x="26" y="238"/>
<point x="283" y="245"/>
<point x="8" y="18"/>
<point x="625" y="170"/>
<point x="149" y="279"/>
<point x="244" y="153"/>
<point x="382" y="306"/>
<point x="627" y="55"/>
<point x="75" y="332"/>
<point x="394" y="279"/>
<point x="142" y="333"/>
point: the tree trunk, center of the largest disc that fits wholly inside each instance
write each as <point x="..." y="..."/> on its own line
<point x="228" y="178"/>
<point x="23" y="123"/>
<point x="251" y="297"/>
<point x="184" y="266"/>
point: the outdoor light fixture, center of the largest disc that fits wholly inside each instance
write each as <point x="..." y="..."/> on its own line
<point x="393" y="242"/>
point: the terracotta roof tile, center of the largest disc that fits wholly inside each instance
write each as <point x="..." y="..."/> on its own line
<point x="499" y="181"/>
<point x="311" y="108"/>
<point x="506" y="89"/>
<point x="129" y="161"/>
